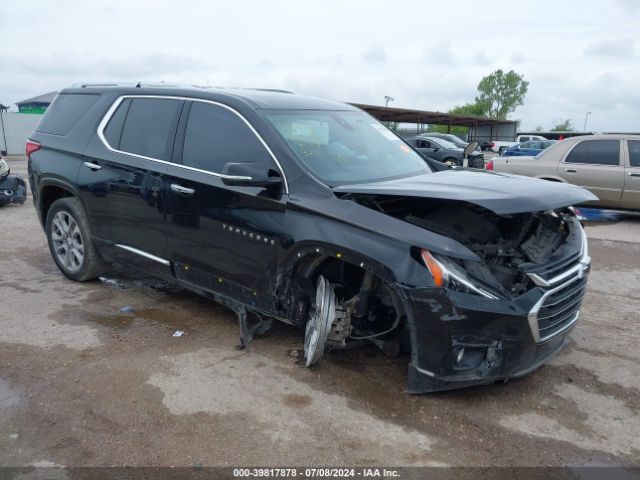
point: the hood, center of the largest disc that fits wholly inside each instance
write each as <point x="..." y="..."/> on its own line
<point x="500" y="193"/>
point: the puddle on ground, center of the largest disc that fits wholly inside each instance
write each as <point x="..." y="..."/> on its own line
<point x="163" y="316"/>
<point x="9" y="398"/>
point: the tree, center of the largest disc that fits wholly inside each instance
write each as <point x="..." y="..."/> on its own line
<point x="563" y="126"/>
<point x="539" y="128"/>
<point x="477" y="109"/>
<point x="466" y="109"/>
<point x="501" y="93"/>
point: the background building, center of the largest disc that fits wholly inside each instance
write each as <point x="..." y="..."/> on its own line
<point x="37" y="104"/>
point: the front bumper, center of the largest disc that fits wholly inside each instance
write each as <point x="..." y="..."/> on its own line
<point x="494" y="336"/>
<point x="460" y="339"/>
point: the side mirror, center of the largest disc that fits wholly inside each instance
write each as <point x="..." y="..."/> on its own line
<point x="470" y="148"/>
<point x="250" y="175"/>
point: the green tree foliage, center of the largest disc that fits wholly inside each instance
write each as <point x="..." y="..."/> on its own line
<point x="500" y="93"/>
<point x="477" y="109"/>
<point x="466" y="109"/>
<point x="563" y="126"/>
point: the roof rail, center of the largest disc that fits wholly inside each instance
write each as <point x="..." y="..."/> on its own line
<point x="127" y="84"/>
<point x="276" y="90"/>
<point x="96" y="85"/>
<point x="161" y="84"/>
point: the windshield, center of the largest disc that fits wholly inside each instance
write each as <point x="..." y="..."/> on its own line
<point x="442" y="142"/>
<point x="456" y="140"/>
<point x="548" y="150"/>
<point x="343" y="147"/>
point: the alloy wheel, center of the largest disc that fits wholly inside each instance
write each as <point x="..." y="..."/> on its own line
<point x="68" y="243"/>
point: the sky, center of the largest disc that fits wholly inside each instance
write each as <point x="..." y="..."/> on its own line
<point x="579" y="56"/>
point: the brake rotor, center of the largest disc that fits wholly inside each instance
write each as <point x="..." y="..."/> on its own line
<point x="321" y="317"/>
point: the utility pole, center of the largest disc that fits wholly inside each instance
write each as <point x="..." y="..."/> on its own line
<point x="586" y="117"/>
<point x="388" y="99"/>
<point x="4" y="135"/>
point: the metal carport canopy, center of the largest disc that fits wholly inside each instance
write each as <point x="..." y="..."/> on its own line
<point x="406" y="115"/>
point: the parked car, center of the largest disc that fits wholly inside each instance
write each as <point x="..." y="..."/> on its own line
<point x="530" y="149"/>
<point x="457" y="141"/>
<point x="607" y="165"/>
<point x="312" y="212"/>
<point x="485" y="145"/>
<point x="500" y="146"/>
<point x="444" y="151"/>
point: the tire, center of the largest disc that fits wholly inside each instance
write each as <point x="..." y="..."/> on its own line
<point x="69" y="237"/>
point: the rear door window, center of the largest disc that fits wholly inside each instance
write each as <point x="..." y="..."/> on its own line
<point x="634" y="152"/>
<point x="65" y="111"/>
<point x="216" y="136"/>
<point x="149" y="127"/>
<point x="596" y="152"/>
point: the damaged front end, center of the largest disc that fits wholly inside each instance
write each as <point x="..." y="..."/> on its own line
<point x="495" y="317"/>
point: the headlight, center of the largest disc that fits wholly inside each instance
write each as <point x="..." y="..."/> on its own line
<point x="447" y="274"/>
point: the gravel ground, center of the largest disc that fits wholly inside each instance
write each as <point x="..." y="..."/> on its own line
<point x="82" y="384"/>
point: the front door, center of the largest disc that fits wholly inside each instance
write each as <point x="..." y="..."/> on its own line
<point x="221" y="238"/>
<point x="597" y="166"/>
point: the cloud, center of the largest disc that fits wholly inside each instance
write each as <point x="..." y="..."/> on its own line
<point x="622" y="48"/>
<point x="629" y="5"/>
<point x="480" y="58"/>
<point x="439" y="53"/>
<point x="375" y="54"/>
<point x="516" y="58"/>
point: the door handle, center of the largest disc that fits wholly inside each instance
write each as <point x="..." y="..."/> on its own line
<point x="634" y="174"/>
<point x="92" y="166"/>
<point x="571" y="170"/>
<point x="182" y="190"/>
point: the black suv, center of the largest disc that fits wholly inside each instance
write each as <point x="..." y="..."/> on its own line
<point x="313" y="213"/>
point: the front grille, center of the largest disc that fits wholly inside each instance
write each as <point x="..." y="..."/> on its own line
<point x="560" y="308"/>
<point x="549" y="271"/>
<point x="563" y="284"/>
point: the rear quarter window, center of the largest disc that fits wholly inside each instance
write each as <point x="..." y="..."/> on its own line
<point x="65" y="111"/>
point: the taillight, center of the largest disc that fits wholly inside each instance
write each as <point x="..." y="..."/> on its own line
<point x="32" y="147"/>
<point x="489" y="165"/>
<point x="493" y="144"/>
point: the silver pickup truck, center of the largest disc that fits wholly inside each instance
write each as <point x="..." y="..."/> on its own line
<point x="607" y="165"/>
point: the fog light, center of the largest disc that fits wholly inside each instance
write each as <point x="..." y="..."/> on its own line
<point x="460" y="355"/>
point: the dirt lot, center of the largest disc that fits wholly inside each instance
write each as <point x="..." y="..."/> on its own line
<point x="82" y="384"/>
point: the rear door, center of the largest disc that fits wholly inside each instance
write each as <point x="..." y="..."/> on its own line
<point x="221" y="238"/>
<point x="121" y="179"/>
<point x="596" y="165"/>
<point x="631" y="193"/>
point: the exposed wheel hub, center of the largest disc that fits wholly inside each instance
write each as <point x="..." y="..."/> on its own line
<point x="322" y="315"/>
